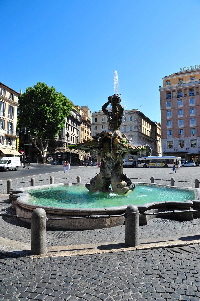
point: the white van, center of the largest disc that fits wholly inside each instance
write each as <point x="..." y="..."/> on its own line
<point x="9" y="163"/>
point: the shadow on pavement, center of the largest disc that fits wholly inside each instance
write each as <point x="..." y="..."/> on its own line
<point x="190" y="238"/>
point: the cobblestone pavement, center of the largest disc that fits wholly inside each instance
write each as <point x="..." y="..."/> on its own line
<point x="154" y="274"/>
<point x="158" y="274"/>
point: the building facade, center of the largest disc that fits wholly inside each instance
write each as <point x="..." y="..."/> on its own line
<point x="77" y="129"/>
<point x="85" y="129"/>
<point x="180" y="113"/>
<point x="8" y="120"/>
<point x="137" y="127"/>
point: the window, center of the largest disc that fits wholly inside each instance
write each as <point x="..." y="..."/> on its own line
<point x="169" y="113"/>
<point x="179" y="94"/>
<point x="181" y="132"/>
<point x="3" y="91"/>
<point x="169" y="123"/>
<point x="95" y="119"/>
<point x="192" y="78"/>
<point x="169" y="144"/>
<point x="130" y="128"/>
<point x="2" y="124"/>
<point x="103" y="119"/>
<point x="192" y="132"/>
<point x="103" y="126"/>
<point x="95" y="128"/>
<point x="180" y="103"/>
<point x="124" y="129"/>
<point x="180" y="122"/>
<point x="168" y="95"/>
<point x="131" y="118"/>
<point x="9" y="141"/>
<point x="191" y="92"/>
<point x="168" y="104"/>
<point x="2" y="108"/>
<point x="167" y="82"/>
<point x="181" y="143"/>
<point x="10" y="128"/>
<point x="192" y="111"/>
<point x="191" y="101"/>
<point x="180" y="112"/>
<point x="124" y="118"/>
<point x="1" y="140"/>
<point x="169" y="133"/>
<point x="193" y="143"/>
<point x="192" y="121"/>
<point x="11" y="96"/>
<point x="10" y="112"/>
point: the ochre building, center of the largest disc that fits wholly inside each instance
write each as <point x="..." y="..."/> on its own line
<point x="180" y="113"/>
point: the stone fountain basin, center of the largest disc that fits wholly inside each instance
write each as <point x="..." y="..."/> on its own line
<point x="82" y="219"/>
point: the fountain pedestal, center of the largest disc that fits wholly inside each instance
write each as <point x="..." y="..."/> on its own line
<point x="111" y="147"/>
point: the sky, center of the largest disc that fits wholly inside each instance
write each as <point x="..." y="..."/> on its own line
<point x="76" y="45"/>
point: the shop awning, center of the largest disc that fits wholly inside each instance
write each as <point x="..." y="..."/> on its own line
<point x="16" y="153"/>
<point x="12" y="152"/>
<point x="5" y="151"/>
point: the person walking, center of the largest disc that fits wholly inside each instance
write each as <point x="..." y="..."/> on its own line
<point x="174" y="168"/>
<point x="66" y="166"/>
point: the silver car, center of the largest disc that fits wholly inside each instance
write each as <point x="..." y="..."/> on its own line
<point x="188" y="164"/>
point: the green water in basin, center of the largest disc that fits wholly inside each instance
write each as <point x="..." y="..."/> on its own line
<point x="78" y="197"/>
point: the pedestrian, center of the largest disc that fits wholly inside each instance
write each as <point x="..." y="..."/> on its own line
<point x="174" y="168"/>
<point x="66" y="166"/>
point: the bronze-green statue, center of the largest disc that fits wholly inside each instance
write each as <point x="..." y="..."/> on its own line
<point x="115" y="114"/>
<point x="111" y="147"/>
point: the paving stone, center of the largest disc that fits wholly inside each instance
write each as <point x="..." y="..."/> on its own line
<point x="157" y="274"/>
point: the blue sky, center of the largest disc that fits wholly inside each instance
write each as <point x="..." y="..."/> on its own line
<point x="75" y="46"/>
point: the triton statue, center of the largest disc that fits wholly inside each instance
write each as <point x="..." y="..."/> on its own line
<point x="111" y="147"/>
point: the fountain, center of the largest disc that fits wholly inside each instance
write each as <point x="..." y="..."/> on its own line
<point x="111" y="146"/>
<point x="73" y="207"/>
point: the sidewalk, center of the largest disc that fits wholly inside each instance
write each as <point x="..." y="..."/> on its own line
<point x="94" y="265"/>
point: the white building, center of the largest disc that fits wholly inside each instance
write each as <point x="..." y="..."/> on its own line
<point x="8" y="120"/>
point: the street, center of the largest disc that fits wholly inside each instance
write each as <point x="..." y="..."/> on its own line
<point x="33" y="169"/>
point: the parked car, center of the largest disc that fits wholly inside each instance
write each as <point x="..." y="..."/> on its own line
<point x="188" y="164"/>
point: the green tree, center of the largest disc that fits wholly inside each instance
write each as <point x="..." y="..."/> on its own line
<point x="42" y="110"/>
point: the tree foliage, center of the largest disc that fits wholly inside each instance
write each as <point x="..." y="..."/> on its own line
<point x="42" y="110"/>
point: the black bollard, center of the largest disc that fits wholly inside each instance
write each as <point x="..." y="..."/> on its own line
<point x="9" y="186"/>
<point x="172" y="181"/>
<point x="32" y="181"/>
<point x="51" y="180"/>
<point x="132" y="226"/>
<point x="196" y="183"/>
<point x="152" y="180"/>
<point x="78" y="179"/>
<point x="38" y="231"/>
